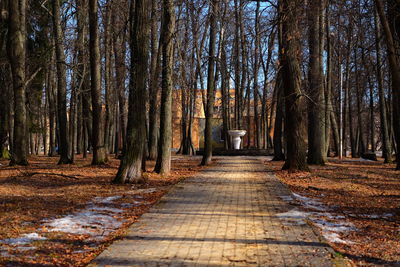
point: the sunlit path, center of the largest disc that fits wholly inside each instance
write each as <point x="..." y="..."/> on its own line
<point x="224" y="216"/>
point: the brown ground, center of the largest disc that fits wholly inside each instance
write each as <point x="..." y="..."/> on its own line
<point x="28" y="197"/>
<point x="356" y="189"/>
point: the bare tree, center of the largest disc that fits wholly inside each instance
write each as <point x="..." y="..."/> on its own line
<point x="207" y="156"/>
<point x="99" y="150"/>
<point x="294" y="99"/>
<point x="163" y="164"/>
<point x="16" y="52"/>
<point x="130" y="170"/>
<point x="392" y="42"/>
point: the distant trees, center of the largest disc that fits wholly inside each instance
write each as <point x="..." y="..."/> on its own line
<point x="296" y="76"/>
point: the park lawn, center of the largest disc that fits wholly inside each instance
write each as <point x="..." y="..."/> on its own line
<point x="364" y="194"/>
<point x="36" y="199"/>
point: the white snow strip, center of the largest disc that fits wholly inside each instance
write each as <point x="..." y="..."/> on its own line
<point x="310" y="203"/>
<point x="106" y="200"/>
<point x="286" y="198"/>
<point x="23" y="240"/>
<point x="293" y="217"/>
<point x="89" y="222"/>
<point x="373" y="216"/>
<point x="293" y="214"/>
<point x="333" y="227"/>
<point x="335" y="238"/>
<point x="319" y="217"/>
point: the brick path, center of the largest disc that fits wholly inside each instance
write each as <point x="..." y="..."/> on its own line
<point x="225" y="216"/>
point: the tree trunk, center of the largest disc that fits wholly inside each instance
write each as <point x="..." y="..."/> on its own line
<point x="207" y="156"/>
<point x="291" y="76"/>
<point x="257" y="45"/>
<point x="392" y="44"/>
<point x="386" y="144"/>
<point x="163" y="164"/>
<point x="61" y="86"/>
<point x="328" y="88"/>
<point x="225" y="87"/>
<point x="154" y="83"/>
<point x="130" y="170"/>
<point x="264" y="110"/>
<point x="278" y="128"/>
<point x="99" y="150"/>
<point x="361" y="143"/>
<point x="316" y="111"/>
<point x="17" y="54"/>
<point x="120" y="73"/>
<point x="109" y="90"/>
<point x="238" y="95"/>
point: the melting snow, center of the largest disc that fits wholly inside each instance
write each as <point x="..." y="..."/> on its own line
<point x="106" y="200"/>
<point x="286" y="198"/>
<point x="23" y="240"/>
<point x="330" y="230"/>
<point x="293" y="214"/>
<point x="335" y="238"/>
<point x="96" y="221"/>
<point x="310" y="203"/>
<point x="293" y="217"/>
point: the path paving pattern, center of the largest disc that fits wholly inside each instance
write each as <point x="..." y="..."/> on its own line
<point x="225" y="216"/>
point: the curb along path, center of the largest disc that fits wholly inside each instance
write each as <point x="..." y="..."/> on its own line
<point x="224" y="216"/>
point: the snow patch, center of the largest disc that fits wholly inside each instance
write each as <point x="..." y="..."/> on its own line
<point x="310" y="203"/>
<point x="335" y="238"/>
<point x="107" y="200"/>
<point x="330" y="225"/>
<point x="327" y="226"/>
<point x="293" y="217"/>
<point x="372" y="216"/>
<point x="286" y="198"/>
<point x="96" y="221"/>
<point x="293" y="214"/>
<point x="23" y="240"/>
<point x="105" y="209"/>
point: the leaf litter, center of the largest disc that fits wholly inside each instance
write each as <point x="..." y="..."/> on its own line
<point x="50" y="219"/>
<point x="354" y="203"/>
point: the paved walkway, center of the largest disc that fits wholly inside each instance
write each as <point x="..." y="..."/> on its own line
<point x="225" y="216"/>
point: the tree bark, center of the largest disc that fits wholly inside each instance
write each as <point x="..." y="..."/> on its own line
<point x="154" y="83"/>
<point x="294" y="100"/>
<point x="386" y="143"/>
<point x="17" y="56"/>
<point x="99" y="150"/>
<point x="130" y="170"/>
<point x="316" y="111"/>
<point x="207" y="156"/>
<point x="120" y="73"/>
<point x="257" y="45"/>
<point x="163" y="164"/>
<point x="61" y="86"/>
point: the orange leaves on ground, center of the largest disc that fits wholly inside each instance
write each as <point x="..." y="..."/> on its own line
<point x="32" y="195"/>
<point x="367" y="194"/>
